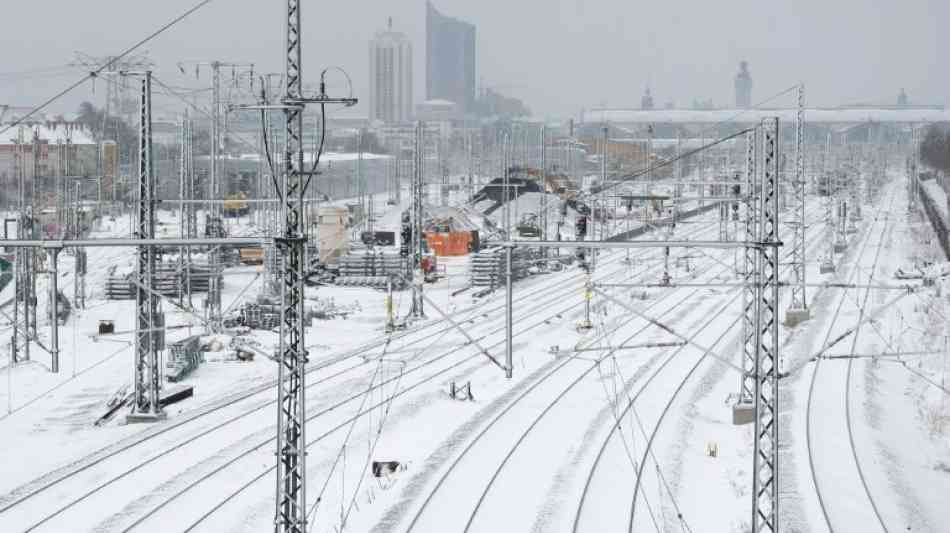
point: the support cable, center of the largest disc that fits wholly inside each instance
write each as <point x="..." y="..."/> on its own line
<point x="104" y="66"/>
<point x="652" y="453"/>
<point x="623" y="439"/>
<point x="379" y="433"/>
<point x="346" y="439"/>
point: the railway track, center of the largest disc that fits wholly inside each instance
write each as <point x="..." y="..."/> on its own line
<point x="452" y="366"/>
<point x="238" y="402"/>
<point x="190" y="436"/>
<point x="466" y="475"/>
<point x="590" y="509"/>
<point x="832" y="450"/>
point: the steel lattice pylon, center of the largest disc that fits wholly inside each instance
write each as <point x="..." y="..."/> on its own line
<point x="186" y="215"/>
<point x="765" y="457"/>
<point x="828" y="264"/>
<point x="291" y="512"/>
<point x="416" y="220"/>
<point x="214" y="193"/>
<point x="24" y="296"/>
<point x="542" y="167"/>
<point x="190" y="211"/>
<point x="749" y="272"/>
<point x="798" y="301"/>
<point x="145" y="400"/>
<point x="418" y="191"/>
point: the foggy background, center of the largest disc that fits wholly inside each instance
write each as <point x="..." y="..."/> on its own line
<point x="559" y="56"/>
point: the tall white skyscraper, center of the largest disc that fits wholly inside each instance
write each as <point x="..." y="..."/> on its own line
<point x="390" y="74"/>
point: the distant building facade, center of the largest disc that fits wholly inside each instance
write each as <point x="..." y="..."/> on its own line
<point x="450" y="60"/>
<point x="51" y="140"/>
<point x="743" y="87"/>
<point x="390" y="74"/>
<point x="41" y="152"/>
<point x="646" y="102"/>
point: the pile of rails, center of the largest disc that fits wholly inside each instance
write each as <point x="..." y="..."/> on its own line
<point x="370" y="269"/>
<point x="265" y="313"/>
<point x="170" y="279"/>
<point x="487" y="268"/>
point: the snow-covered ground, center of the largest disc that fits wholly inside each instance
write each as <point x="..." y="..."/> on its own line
<point x="599" y="430"/>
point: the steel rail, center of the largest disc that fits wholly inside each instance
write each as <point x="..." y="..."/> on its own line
<point x="560" y="396"/>
<point x="589" y="480"/>
<point x="513" y="403"/>
<point x="225" y="402"/>
<point x="656" y="428"/>
<point x="555" y="296"/>
<point x="811" y="390"/>
<point x="247" y="485"/>
<point x="352" y="398"/>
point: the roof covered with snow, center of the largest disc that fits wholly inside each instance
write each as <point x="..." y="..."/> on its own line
<point x="51" y="132"/>
<point x="326" y="157"/>
<point x="836" y="115"/>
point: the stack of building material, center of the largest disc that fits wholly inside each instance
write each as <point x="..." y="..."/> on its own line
<point x="169" y="280"/>
<point x="119" y="289"/>
<point x="183" y="357"/>
<point x="367" y="263"/>
<point x="376" y="282"/>
<point x="487" y="268"/>
<point x="261" y="315"/>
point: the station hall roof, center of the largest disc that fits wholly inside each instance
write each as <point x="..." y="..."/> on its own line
<point x="851" y="115"/>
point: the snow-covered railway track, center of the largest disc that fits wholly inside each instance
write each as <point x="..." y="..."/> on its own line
<point x="525" y="417"/>
<point x="590" y="512"/>
<point x="237" y="407"/>
<point x="542" y="309"/>
<point x="185" y="445"/>
<point x="833" y="461"/>
<point x="467" y="477"/>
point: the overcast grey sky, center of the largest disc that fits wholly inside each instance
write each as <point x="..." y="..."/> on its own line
<point x="558" y="55"/>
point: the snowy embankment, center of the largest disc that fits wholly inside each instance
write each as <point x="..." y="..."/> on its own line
<point x="934" y="200"/>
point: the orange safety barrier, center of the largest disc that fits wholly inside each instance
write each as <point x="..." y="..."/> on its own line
<point x="453" y="243"/>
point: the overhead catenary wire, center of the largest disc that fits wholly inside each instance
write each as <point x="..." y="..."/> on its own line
<point x="175" y="93"/>
<point x="644" y="171"/>
<point x="667" y="162"/>
<point x="614" y="411"/>
<point x="104" y="66"/>
<point x="346" y="439"/>
<point x="323" y="122"/>
<point x="372" y="449"/>
<point x="665" y="484"/>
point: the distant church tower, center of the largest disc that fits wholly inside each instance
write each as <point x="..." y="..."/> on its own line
<point x="743" y="87"/>
<point x="646" y="102"/>
<point x="902" y="98"/>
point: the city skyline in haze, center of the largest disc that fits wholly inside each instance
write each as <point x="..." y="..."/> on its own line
<point x="559" y="56"/>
